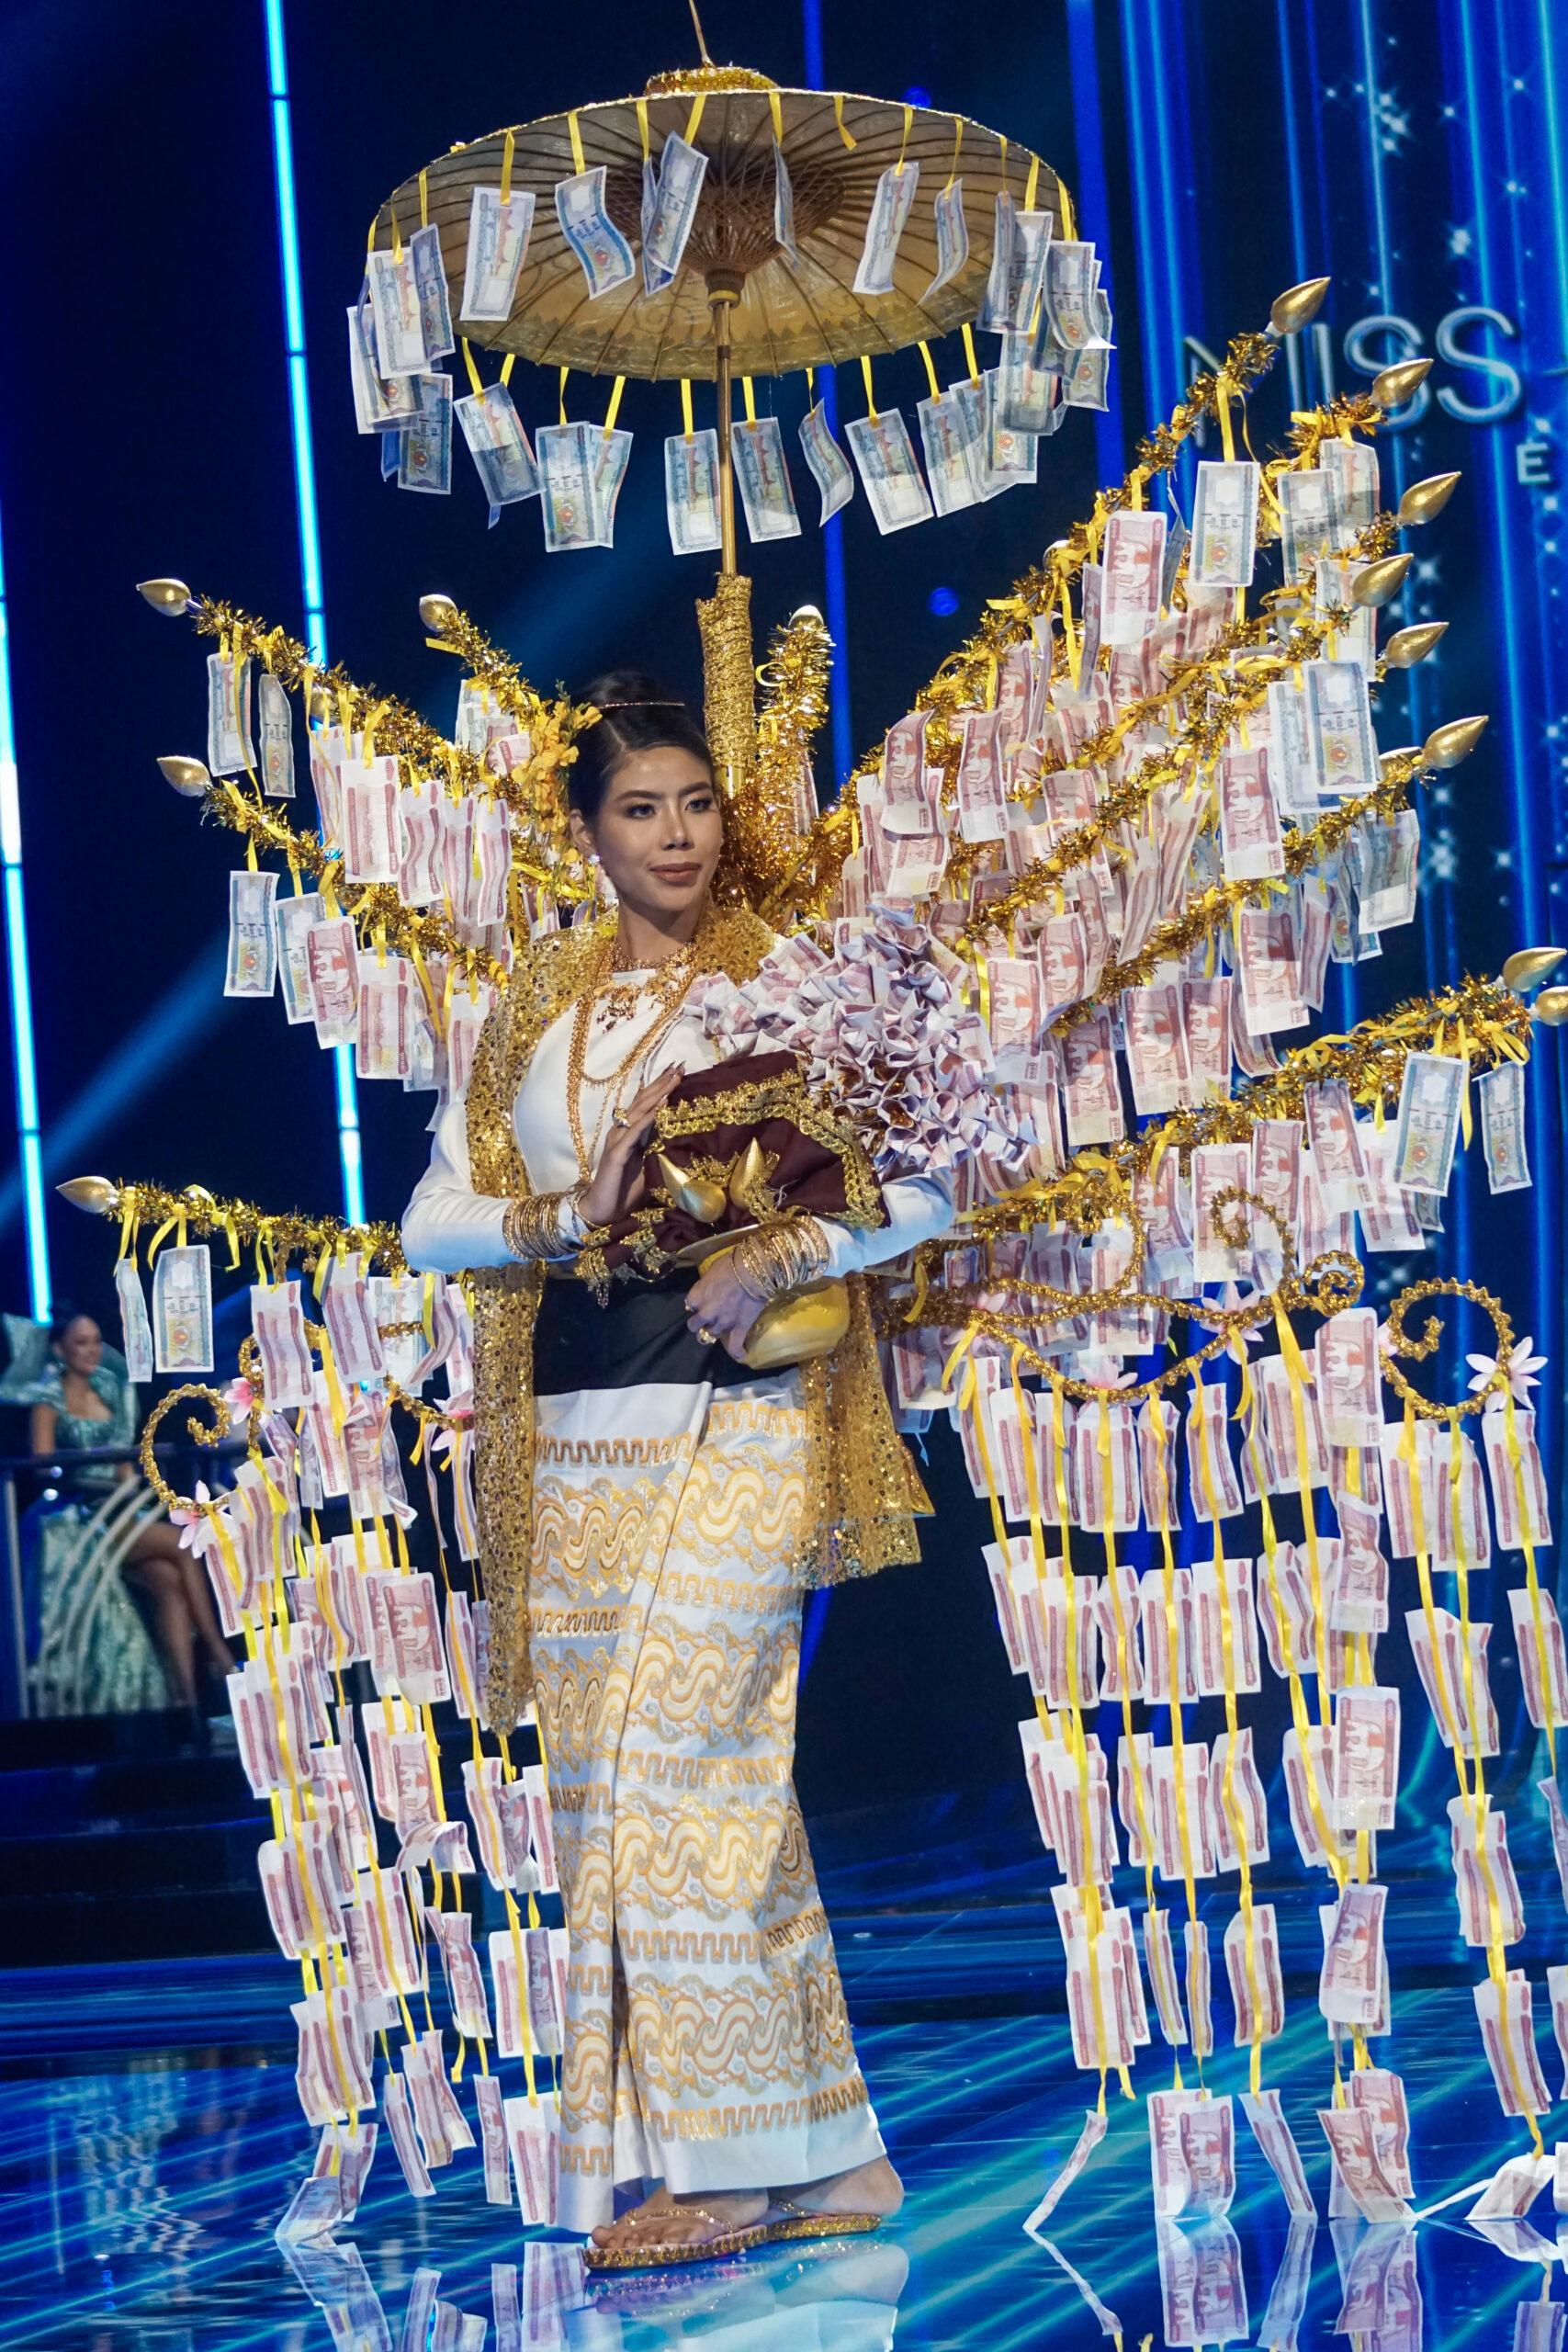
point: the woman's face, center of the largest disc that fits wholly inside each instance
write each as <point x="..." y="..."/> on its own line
<point x="82" y="1346"/>
<point x="658" y="833"/>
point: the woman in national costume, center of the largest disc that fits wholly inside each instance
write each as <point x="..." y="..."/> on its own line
<point x="651" y="1511"/>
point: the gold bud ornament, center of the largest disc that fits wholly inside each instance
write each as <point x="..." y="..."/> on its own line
<point x="1408" y="646"/>
<point x="1447" y="745"/>
<point x="171" y="597"/>
<point x="1422" y="500"/>
<point x="188" y="777"/>
<point x="94" y="1194"/>
<point x="1394" y="385"/>
<point x="1297" y="306"/>
<point x="1375" y="583"/>
<point x="437" y="613"/>
<point x="1552" y="1006"/>
<point x="700" y="1200"/>
<point x="751" y="1170"/>
<point x="1527" y="965"/>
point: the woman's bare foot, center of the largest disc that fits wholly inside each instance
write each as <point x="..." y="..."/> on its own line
<point x="663" y="2220"/>
<point x="874" y="2187"/>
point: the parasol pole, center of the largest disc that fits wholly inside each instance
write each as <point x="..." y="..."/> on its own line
<point x="724" y="292"/>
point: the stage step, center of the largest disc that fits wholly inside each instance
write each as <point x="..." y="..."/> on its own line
<point x="118" y="1842"/>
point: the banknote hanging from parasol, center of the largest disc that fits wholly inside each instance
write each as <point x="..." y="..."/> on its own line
<point x="738" y="302"/>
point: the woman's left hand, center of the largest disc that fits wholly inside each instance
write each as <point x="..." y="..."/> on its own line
<point x="717" y="1307"/>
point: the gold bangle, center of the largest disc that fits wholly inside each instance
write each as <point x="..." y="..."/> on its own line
<point x="532" y="1225"/>
<point x="779" y="1257"/>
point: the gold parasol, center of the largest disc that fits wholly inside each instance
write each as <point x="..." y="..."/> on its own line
<point x="736" y="306"/>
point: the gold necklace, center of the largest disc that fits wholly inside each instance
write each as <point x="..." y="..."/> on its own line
<point x="669" y="986"/>
<point x="622" y="999"/>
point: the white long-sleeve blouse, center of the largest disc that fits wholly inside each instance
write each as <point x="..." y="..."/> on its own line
<point x="447" y="1226"/>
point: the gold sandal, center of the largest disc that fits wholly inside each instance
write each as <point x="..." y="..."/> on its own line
<point x="800" y="2221"/>
<point x="663" y="2257"/>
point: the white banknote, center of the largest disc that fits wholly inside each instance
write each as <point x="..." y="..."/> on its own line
<point x="1069" y="282"/>
<point x="292" y="918"/>
<point x="1431" y="1096"/>
<point x="1133" y="559"/>
<point x="611" y="453"/>
<point x="251" y="968"/>
<point x="951" y="237"/>
<point x="1010" y="458"/>
<point x="594" y="237"/>
<point x="565" y="459"/>
<point x="691" y="491"/>
<point x="395" y="316"/>
<point x="380" y="1046"/>
<point x="944" y="436"/>
<point x="277" y="737"/>
<point x="372" y="847"/>
<point x="1352" y="470"/>
<point x="430" y="278"/>
<point x="497" y="444"/>
<point x="498" y="246"/>
<point x="783" y="209"/>
<point x="1306" y="520"/>
<point x="890" y="210"/>
<point x="887" y="468"/>
<point x="764" y="480"/>
<point x="424" y="446"/>
<point x="230" y="749"/>
<point x="1014" y="287"/>
<point x="826" y="461"/>
<point x="135" y="1329"/>
<point x="1225" y="524"/>
<point x="182" y="1309"/>
<point x="380" y="402"/>
<point x="332" y="970"/>
<point x="681" y="174"/>
<point x="1339" y="726"/>
<point x="1503" y="1127"/>
<point x="1025" y="395"/>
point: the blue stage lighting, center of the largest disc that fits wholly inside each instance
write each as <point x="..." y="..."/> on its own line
<point x="305" y="499"/>
<point x="944" y="601"/>
<point x="27" y="1148"/>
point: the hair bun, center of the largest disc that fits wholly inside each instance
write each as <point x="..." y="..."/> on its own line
<point x="637" y="714"/>
<point x="626" y="690"/>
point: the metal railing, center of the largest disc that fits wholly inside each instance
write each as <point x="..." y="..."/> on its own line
<point x="182" y="1464"/>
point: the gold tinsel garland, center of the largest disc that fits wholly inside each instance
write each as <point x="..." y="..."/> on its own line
<point x="282" y="1234"/>
<point x="552" y="727"/>
<point x="380" y="915"/>
<point x="1205" y="914"/>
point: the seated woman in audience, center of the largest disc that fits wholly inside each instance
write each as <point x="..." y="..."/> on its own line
<point x="99" y="1530"/>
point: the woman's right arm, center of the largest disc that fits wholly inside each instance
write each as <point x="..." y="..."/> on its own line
<point x="447" y="1226"/>
<point x="43" y="1429"/>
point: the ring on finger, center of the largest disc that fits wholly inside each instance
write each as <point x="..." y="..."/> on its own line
<point x="707" y="1339"/>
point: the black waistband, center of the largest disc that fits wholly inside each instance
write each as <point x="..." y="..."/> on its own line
<point x="640" y="1336"/>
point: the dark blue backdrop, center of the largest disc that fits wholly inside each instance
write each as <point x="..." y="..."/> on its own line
<point x="1218" y="151"/>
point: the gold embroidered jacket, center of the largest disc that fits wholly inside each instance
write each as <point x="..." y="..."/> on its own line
<point x="864" y="1488"/>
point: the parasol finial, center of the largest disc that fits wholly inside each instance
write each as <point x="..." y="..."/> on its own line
<point x="701" y="45"/>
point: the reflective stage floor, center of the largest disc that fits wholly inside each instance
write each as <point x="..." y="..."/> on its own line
<point x="151" y="2138"/>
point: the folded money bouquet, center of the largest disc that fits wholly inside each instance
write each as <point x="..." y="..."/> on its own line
<point x="881" y="1031"/>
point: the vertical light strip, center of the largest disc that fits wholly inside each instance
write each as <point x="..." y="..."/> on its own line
<point x="836" y="596"/>
<point x="28" y="1152"/>
<point x="305" y="499"/>
<point x="1094" y="213"/>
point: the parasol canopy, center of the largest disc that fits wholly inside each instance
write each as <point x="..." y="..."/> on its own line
<point x="780" y="317"/>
